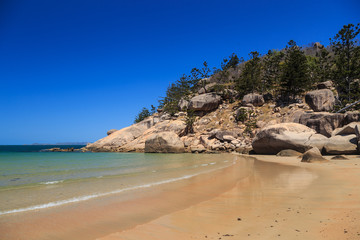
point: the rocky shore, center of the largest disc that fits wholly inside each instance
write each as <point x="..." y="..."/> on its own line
<point x="255" y="124"/>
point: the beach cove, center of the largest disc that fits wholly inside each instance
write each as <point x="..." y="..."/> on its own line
<point x="266" y="197"/>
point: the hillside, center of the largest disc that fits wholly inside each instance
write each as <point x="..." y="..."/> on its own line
<point x="283" y="100"/>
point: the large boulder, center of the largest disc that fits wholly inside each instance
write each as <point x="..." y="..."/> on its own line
<point x="255" y="99"/>
<point x="205" y="102"/>
<point x="320" y="100"/>
<point x="351" y="117"/>
<point x="341" y="145"/>
<point x="272" y="139"/>
<point x="323" y="123"/>
<point x="223" y="135"/>
<point x="313" y="155"/>
<point x="183" y="104"/>
<point x="197" y="148"/>
<point x="347" y="129"/>
<point x="164" y="142"/>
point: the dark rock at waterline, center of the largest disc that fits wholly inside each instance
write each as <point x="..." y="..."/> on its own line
<point x="289" y="153"/>
<point x="313" y="155"/>
<point x="339" y="157"/>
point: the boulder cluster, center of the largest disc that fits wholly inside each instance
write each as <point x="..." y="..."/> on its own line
<point x="254" y="124"/>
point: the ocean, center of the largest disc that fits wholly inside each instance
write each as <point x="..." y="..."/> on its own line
<point x="31" y="179"/>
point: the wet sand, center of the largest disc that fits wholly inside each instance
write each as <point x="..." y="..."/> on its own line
<point x="276" y="198"/>
<point x="282" y="199"/>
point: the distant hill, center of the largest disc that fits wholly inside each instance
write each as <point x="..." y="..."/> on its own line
<point x="62" y="143"/>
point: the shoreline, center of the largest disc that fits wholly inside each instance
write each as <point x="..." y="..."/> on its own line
<point x="210" y="206"/>
<point x="303" y="207"/>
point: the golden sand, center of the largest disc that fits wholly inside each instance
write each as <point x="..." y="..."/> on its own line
<point x="276" y="198"/>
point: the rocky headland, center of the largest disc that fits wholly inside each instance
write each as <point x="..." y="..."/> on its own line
<point x="254" y="124"/>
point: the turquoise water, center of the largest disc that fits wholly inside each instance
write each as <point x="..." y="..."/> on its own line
<point x="36" y="180"/>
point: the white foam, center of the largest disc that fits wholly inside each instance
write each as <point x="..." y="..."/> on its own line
<point x="87" y="197"/>
<point x="204" y="165"/>
<point x="212" y="163"/>
<point x="52" y="182"/>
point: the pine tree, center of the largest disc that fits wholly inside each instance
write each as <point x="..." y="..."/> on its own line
<point x="144" y="113"/>
<point x="324" y="65"/>
<point x="271" y="70"/>
<point x="347" y="62"/>
<point x="294" y="78"/>
<point x="250" y="77"/>
<point x="199" y="76"/>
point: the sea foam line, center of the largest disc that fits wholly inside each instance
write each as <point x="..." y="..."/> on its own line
<point x="52" y="182"/>
<point x="87" y="197"/>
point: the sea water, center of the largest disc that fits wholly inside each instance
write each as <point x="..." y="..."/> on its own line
<point x="31" y="179"/>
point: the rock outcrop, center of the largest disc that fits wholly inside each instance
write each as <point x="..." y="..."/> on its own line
<point x="274" y="138"/>
<point x="253" y="98"/>
<point x="205" y="102"/>
<point x="350" y="117"/>
<point x="121" y="137"/>
<point x="132" y="138"/>
<point x="183" y="104"/>
<point x="164" y="142"/>
<point x="342" y="145"/>
<point x="323" y="123"/>
<point x="347" y="129"/>
<point x="320" y="100"/>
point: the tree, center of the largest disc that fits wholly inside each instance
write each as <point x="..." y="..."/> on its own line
<point x="347" y="62"/>
<point x="271" y="70"/>
<point x="294" y="78"/>
<point x="230" y="62"/>
<point x="324" y="65"/>
<point x="144" y="113"/>
<point x="199" y="76"/>
<point x="250" y="77"/>
<point x="227" y="65"/>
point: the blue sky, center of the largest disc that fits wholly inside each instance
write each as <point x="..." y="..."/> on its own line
<point x="71" y="70"/>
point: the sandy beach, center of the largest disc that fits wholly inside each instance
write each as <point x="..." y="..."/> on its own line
<point x="265" y="198"/>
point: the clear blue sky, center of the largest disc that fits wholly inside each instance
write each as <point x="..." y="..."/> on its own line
<point x="71" y="70"/>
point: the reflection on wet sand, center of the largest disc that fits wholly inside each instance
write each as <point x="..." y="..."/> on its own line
<point x="256" y="199"/>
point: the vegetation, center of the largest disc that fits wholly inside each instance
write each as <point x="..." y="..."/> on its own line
<point x="294" y="79"/>
<point x="284" y="74"/>
<point x="144" y="113"/>
<point x="347" y="63"/>
<point x="250" y="78"/>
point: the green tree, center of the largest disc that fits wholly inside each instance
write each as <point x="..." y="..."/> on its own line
<point x="199" y="76"/>
<point x="182" y="88"/>
<point x="230" y="62"/>
<point x="347" y="62"/>
<point x="271" y="70"/>
<point x="227" y="64"/>
<point x="250" y="77"/>
<point x="294" y="78"/>
<point x="324" y="64"/>
<point x="144" y="113"/>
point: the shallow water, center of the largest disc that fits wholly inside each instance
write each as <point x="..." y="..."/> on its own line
<point x="37" y="180"/>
